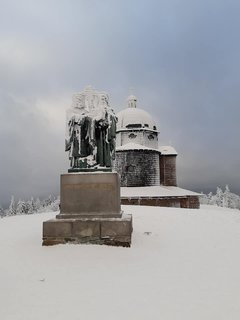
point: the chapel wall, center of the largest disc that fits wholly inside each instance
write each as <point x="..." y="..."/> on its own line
<point x="132" y="137"/>
<point x="150" y="139"/>
<point x="168" y="170"/>
<point x="145" y="138"/>
<point x="138" y="168"/>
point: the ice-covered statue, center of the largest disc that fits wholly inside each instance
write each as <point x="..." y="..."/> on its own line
<point x="90" y="132"/>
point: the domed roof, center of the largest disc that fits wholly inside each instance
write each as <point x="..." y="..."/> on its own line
<point x="134" y="118"/>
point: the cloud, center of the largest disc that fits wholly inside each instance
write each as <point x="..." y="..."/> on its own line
<point x="181" y="58"/>
<point x="20" y="57"/>
<point x="32" y="150"/>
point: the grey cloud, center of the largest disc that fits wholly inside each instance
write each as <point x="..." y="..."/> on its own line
<point x="181" y="58"/>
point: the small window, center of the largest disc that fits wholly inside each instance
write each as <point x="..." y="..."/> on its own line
<point x="151" y="137"/>
<point x="132" y="136"/>
<point x="130" y="168"/>
<point x="136" y="125"/>
<point x="146" y="125"/>
<point x="154" y="128"/>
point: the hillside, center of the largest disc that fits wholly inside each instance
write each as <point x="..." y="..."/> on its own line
<point x="183" y="264"/>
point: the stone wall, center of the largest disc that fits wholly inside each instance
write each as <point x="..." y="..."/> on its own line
<point x="138" y="168"/>
<point x="168" y="170"/>
<point x="190" y="202"/>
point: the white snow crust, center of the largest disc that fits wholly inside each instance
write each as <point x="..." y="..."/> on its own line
<point x="134" y="146"/>
<point x="167" y="150"/>
<point x="134" y="116"/>
<point x="156" y="191"/>
<point x="183" y="264"/>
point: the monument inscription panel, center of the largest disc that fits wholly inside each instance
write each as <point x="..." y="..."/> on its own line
<point x="90" y="193"/>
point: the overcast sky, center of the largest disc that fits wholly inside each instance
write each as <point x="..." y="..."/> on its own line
<point x="180" y="57"/>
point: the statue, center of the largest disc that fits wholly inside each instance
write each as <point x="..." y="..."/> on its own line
<point x="90" y="132"/>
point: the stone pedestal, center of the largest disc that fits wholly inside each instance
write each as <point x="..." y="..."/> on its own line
<point x="90" y="212"/>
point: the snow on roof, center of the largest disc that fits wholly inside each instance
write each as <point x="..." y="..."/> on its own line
<point x="131" y="97"/>
<point x="134" y="146"/>
<point x="167" y="150"/>
<point x="135" y="116"/>
<point x="156" y="191"/>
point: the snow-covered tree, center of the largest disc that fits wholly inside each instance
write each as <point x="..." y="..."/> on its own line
<point x="48" y="201"/>
<point x="223" y="199"/>
<point x="21" y="207"/>
<point x="227" y="197"/>
<point x="209" y="197"/>
<point x="12" y="207"/>
<point x="2" y="212"/>
<point x="38" y="205"/>
<point x="219" y="197"/>
<point x="54" y="206"/>
<point x="30" y="206"/>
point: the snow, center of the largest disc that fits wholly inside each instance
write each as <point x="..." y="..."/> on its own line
<point x="131" y="97"/>
<point x="167" y="150"/>
<point x="156" y="191"/>
<point x="134" y="116"/>
<point x="134" y="146"/>
<point x="183" y="264"/>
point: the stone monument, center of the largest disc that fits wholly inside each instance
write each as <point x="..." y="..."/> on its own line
<point x="90" y="210"/>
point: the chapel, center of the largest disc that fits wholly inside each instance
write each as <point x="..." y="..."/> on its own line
<point x="147" y="170"/>
<point x="140" y="160"/>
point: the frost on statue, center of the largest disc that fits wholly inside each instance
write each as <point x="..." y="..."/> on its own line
<point x="90" y="132"/>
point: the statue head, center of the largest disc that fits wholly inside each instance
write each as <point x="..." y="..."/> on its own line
<point x="104" y="99"/>
<point x="78" y="101"/>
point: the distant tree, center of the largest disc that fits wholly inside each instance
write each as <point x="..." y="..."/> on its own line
<point x="12" y="207"/>
<point x="54" y="206"/>
<point x="2" y="212"/>
<point x="30" y="206"/>
<point x="38" y="205"/>
<point x="223" y="199"/>
<point x="48" y="201"/>
<point x="209" y="197"/>
<point x="21" y="207"/>
<point x="227" y="198"/>
<point x="219" y="197"/>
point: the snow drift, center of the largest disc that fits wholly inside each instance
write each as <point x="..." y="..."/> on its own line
<point x="183" y="264"/>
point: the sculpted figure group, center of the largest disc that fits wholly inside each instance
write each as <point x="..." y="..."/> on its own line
<point x="90" y="131"/>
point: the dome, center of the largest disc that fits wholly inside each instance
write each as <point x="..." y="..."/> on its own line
<point x="134" y="118"/>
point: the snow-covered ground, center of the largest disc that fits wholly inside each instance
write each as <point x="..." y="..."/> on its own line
<point x="183" y="264"/>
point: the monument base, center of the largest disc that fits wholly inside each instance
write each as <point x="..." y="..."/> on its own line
<point x="90" y="212"/>
<point x="108" y="231"/>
